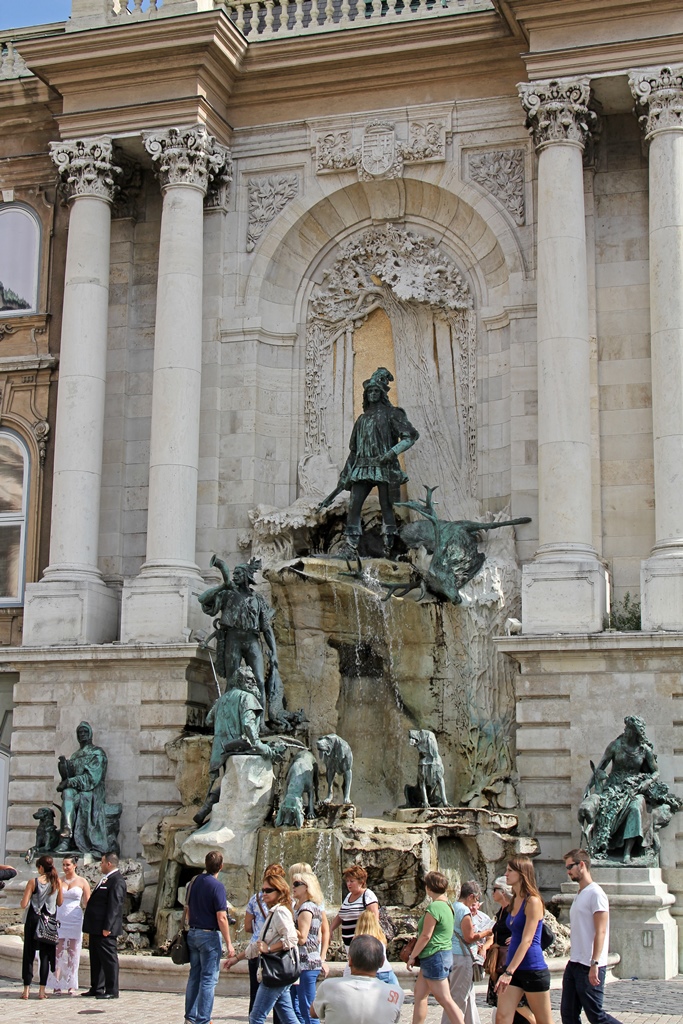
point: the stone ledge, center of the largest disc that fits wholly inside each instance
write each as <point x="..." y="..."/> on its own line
<point x="607" y="641"/>
<point x="160" y="974"/>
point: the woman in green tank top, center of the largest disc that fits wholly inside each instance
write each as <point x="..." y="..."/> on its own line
<point x="433" y="947"/>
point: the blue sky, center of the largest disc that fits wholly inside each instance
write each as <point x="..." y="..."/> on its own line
<point x="17" y="13"/>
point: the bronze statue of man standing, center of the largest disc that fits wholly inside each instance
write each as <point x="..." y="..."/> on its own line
<point x="380" y="434"/>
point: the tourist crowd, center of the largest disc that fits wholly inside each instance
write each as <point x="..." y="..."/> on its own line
<point x="289" y="939"/>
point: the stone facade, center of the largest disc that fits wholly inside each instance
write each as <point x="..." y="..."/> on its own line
<point x="211" y="292"/>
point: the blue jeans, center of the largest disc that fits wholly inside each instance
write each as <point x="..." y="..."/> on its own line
<point x="303" y="995"/>
<point x="205" y="961"/>
<point x="578" y="994"/>
<point x="267" y="998"/>
<point x="388" y="977"/>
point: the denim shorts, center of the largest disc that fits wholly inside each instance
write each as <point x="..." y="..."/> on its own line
<point x="437" y="966"/>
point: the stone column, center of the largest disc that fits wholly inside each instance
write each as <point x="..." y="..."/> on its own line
<point x="563" y="589"/>
<point x="72" y="604"/>
<point x="659" y="92"/>
<point x="160" y="605"/>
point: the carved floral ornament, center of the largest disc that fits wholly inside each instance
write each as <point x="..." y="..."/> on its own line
<point x="378" y="152"/>
<point x="557" y="110"/>
<point x="501" y="173"/>
<point x="268" y="196"/>
<point x="660" y="90"/>
<point x="85" y="167"/>
<point x="189" y="156"/>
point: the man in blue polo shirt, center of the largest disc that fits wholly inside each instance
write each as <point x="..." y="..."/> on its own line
<point x="206" y="911"/>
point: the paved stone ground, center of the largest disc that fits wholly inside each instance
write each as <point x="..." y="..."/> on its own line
<point x="632" y="1002"/>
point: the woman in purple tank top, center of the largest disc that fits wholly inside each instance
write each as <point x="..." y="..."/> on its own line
<point x="526" y="972"/>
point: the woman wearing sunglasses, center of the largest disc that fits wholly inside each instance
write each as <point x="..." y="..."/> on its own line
<point x="314" y="938"/>
<point x="277" y="933"/>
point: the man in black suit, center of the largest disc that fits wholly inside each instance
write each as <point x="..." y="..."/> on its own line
<point x="103" y="921"/>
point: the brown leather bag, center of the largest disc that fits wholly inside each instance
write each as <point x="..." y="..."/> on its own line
<point x="407" y="950"/>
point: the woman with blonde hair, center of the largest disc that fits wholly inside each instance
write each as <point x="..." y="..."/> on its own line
<point x="526" y="972"/>
<point x="313" y="930"/>
<point x="277" y="933"/>
<point x="369" y="925"/>
<point x="41" y="898"/>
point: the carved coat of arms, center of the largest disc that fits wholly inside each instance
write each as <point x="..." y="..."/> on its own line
<point x="379" y="153"/>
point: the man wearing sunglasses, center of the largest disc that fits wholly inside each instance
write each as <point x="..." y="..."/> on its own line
<point x="583" y="984"/>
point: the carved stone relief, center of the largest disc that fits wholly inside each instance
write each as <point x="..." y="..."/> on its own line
<point x="660" y="91"/>
<point x="501" y="173"/>
<point x="377" y="150"/>
<point x="188" y="156"/>
<point x="267" y="197"/>
<point x="557" y="110"/>
<point x="85" y="167"/>
<point x="429" y="306"/>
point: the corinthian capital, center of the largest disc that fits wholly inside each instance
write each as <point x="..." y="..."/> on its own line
<point x="660" y="92"/>
<point x="85" y="167"/>
<point x="557" y="110"/>
<point x="187" y="156"/>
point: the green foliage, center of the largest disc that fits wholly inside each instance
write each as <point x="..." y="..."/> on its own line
<point x="625" y="615"/>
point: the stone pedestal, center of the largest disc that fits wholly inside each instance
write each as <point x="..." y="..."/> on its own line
<point x="642" y="930"/>
<point x="560" y="596"/>
<point x="244" y="804"/>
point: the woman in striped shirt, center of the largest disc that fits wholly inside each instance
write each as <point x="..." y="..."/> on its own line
<point x="358" y="899"/>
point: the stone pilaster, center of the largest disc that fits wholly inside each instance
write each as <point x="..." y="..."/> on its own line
<point x="563" y="589"/>
<point x="659" y="95"/>
<point x="160" y="605"/>
<point x="72" y="604"/>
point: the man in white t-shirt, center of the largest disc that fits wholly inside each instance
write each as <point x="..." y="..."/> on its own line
<point x="361" y="998"/>
<point x="583" y="984"/>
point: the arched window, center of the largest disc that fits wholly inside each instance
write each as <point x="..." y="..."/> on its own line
<point x="14" y="478"/>
<point x="19" y="259"/>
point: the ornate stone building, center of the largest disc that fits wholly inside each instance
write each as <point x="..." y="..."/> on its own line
<point x="216" y="218"/>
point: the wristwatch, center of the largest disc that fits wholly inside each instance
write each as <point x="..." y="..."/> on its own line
<point x="595" y="963"/>
<point x="509" y="973"/>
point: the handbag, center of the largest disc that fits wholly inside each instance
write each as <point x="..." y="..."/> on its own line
<point x="179" y="949"/>
<point x="47" y="928"/>
<point x="280" y="968"/>
<point x="407" y="951"/>
<point x="547" y="936"/>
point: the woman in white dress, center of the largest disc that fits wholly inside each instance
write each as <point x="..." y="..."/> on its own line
<point x="76" y="893"/>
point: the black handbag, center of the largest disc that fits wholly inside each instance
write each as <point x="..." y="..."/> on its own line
<point x="281" y="968"/>
<point x="47" y="928"/>
<point x="179" y="949"/>
<point x="547" y="936"/>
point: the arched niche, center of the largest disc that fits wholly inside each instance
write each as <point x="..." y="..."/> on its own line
<point x="15" y="473"/>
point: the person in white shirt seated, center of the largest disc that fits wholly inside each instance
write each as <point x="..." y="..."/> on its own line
<point x="361" y="998"/>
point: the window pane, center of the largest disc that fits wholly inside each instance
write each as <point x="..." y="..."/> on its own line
<point x="10" y="553"/>
<point x="11" y="475"/>
<point x="19" y="236"/>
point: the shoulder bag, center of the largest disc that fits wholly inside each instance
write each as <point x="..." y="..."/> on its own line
<point x="47" y="928"/>
<point x="280" y="968"/>
<point x="179" y="950"/>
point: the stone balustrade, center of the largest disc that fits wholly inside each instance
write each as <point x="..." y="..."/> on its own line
<point x="268" y="19"/>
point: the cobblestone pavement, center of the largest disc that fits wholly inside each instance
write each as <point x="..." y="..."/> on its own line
<point x="632" y="1002"/>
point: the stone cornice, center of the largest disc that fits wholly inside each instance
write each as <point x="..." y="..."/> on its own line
<point x="557" y="110"/>
<point x="119" y="80"/>
<point x="659" y="91"/>
<point x="188" y="156"/>
<point x="85" y="167"/>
